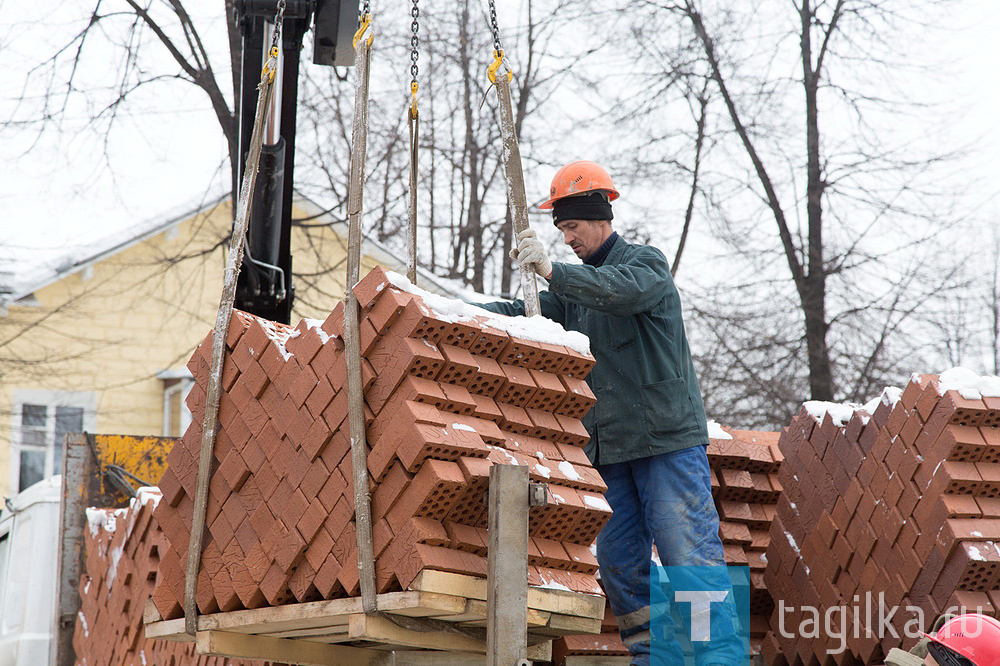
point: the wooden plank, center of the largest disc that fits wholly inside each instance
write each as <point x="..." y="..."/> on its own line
<point x="78" y="469"/>
<point x="565" y="625"/>
<point x="311" y="615"/>
<point x="507" y="590"/>
<point x="242" y="646"/>
<point x="597" y="661"/>
<point x="476" y="612"/>
<point x="379" y="629"/>
<point x="554" y="601"/>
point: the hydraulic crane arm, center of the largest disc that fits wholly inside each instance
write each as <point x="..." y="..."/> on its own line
<point x="265" y="284"/>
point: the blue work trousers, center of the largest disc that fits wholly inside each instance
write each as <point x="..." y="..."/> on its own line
<point x="666" y="499"/>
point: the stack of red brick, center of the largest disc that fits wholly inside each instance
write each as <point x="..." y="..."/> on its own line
<point x="446" y="396"/>
<point x="746" y="489"/>
<point x="900" y="500"/>
<point x="122" y="553"/>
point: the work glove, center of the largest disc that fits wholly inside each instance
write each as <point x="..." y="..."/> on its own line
<point x="531" y="254"/>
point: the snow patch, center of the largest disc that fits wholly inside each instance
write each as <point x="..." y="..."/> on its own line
<point x="598" y="503"/>
<point x="969" y="385"/>
<point x="715" y="431"/>
<point x="83" y="621"/>
<point x="538" y="328"/>
<point x="316" y="325"/>
<point x="463" y="426"/>
<point x="145" y="495"/>
<point x="791" y="542"/>
<point x="840" y="413"/>
<point x="552" y="585"/>
<point x="100" y="519"/>
<point x="569" y="471"/>
<point x="543" y="470"/>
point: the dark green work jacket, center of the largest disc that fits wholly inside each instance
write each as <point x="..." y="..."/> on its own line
<point x="648" y="397"/>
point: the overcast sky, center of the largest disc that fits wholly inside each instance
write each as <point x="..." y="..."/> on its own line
<point x="64" y="189"/>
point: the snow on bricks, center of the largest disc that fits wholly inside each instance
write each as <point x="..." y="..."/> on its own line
<point x="899" y="498"/>
<point x="122" y="551"/>
<point x="449" y="391"/>
<point x="746" y="489"/>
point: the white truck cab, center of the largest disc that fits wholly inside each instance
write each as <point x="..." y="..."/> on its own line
<point x="29" y="543"/>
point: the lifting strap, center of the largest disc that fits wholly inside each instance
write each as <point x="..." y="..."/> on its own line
<point x="208" y="428"/>
<point x="352" y="337"/>
<point x="413" y="122"/>
<point x="513" y="171"/>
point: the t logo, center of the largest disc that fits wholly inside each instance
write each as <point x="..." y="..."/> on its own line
<point x="701" y="607"/>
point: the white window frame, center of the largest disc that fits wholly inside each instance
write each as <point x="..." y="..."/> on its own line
<point x="51" y="399"/>
<point x="176" y="381"/>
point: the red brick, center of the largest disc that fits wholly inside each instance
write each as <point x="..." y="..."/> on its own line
<point x="470" y="507"/>
<point x="460" y="365"/>
<point x="955" y="478"/>
<point x="488" y="339"/>
<point x="559" y="519"/>
<point x="572" y="431"/>
<point x="579" y="398"/>
<point x="466" y="538"/>
<point x="458" y="399"/>
<point x="964" y="411"/>
<point x="422" y="556"/>
<point x="489" y="377"/>
<point x="371" y="286"/>
<point x="417" y="389"/>
<point x="432" y="493"/>
<point x="515" y="419"/>
<point x="388" y="308"/>
<point x="396" y="357"/>
<point x="320" y="397"/>
<point x="486" y="408"/>
<point x="395" y="481"/>
<point x="519" y="388"/>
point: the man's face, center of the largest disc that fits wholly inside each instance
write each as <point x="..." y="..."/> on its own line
<point x="584" y="236"/>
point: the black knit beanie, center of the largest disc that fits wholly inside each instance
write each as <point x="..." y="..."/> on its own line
<point x="591" y="206"/>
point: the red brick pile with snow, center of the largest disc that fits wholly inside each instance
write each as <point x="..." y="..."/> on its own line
<point x="899" y="498"/>
<point x="122" y="549"/>
<point x="449" y="391"/>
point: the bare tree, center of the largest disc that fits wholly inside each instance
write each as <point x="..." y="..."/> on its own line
<point x="813" y="156"/>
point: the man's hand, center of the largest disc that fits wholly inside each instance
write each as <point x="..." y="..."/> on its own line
<point x="531" y="253"/>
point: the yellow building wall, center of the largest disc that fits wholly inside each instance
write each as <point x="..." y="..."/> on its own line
<point x="110" y="328"/>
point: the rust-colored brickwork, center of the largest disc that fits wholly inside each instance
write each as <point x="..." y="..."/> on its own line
<point x="122" y="555"/>
<point x="446" y="397"/>
<point x="902" y="502"/>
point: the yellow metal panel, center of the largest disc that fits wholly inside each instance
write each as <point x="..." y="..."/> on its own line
<point x="143" y="456"/>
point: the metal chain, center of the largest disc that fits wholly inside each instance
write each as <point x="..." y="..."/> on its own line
<point x="366" y="9"/>
<point x="278" y="18"/>
<point x="495" y="27"/>
<point x="414" y="41"/>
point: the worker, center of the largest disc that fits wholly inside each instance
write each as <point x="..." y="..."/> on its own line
<point x="966" y="640"/>
<point x="648" y="431"/>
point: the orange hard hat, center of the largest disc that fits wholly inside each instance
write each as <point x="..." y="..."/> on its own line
<point x="579" y="177"/>
<point x="976" y="637"/>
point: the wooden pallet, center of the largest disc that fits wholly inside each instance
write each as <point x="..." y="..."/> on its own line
<point x="442" y="611"/>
